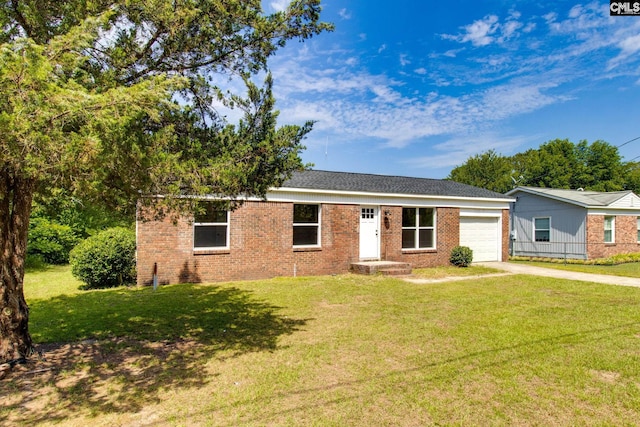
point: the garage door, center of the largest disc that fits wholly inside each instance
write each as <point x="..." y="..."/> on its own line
<point x="482" y="236"/>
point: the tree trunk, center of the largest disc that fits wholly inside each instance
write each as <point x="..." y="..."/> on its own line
<point x="16" y="194"/>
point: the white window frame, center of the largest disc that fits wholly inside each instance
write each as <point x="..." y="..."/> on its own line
<point x="541" y="229"/>
<point x="417" y="229"/>
<point x="612" y="230"/>
<point x="308" y="224"/>
<point x="226" y="224"/>
<point x="638" y="228"/>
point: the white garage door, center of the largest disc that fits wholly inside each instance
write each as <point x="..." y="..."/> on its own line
<point x="482" y="236"/>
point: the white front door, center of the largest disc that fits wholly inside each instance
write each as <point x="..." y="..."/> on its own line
<point x="369" y="232"/>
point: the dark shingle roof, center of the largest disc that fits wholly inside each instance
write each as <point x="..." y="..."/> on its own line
<point x="369" y="183"/>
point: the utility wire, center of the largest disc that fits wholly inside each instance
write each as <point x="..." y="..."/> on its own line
<point x="631" y="140"/>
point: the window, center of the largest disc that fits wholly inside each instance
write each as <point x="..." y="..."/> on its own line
<point x="418" y="231"/>
<point x="609" y="229"/>
<point x="306" y="225"/>
<point x="211" y="227"/>
<point x="542" y="229"/>
<point x="638" y="227"/>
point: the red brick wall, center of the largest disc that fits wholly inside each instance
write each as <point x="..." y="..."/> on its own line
<point x="505" y="234"/>
<point x="260" y="244"/>
<point x="626" y="236"/>
<point x="447" y="235"/>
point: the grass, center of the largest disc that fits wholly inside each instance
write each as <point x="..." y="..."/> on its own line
<point x="452" y="271"/>
<point x="341" y="350"/>
<point x="50" y="281"/>
<point x="631" y="269"/>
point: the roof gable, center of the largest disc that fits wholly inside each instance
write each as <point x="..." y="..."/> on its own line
<point x="587" y="199"/>
<point x="370" y="183"/>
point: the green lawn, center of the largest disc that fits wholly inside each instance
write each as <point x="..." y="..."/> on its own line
<point x="343" y="350"/>
<point x="631" y="269"/>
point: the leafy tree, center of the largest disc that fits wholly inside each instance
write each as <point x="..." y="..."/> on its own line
<point x="113" y="99"/>
<point x="50" y="241"/>
<point x="632" y="174"/>
<point x="555" y="164"/>
<point x="83" y="217"/>
<point x="488" y="170"/>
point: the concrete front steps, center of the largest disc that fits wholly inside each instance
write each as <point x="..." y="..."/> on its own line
<point x="387" y="268"/>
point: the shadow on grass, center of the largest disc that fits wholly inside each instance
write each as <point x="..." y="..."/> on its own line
<point x="115" y="350"/>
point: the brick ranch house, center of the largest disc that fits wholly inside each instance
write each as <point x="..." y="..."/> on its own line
<point x="578" y="224"/>
<point x="320" y="223"/>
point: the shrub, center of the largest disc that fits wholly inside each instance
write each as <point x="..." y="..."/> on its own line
<point x="35" y="262"/>
<point x="106" y="259"/>
<point x="50" y="241"/>
<point x="461" y="256"/>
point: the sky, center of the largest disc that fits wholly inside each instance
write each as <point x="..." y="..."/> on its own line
<point x="416" y="87"/>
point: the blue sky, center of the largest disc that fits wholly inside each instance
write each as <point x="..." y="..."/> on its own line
<point x="416" y="87"/>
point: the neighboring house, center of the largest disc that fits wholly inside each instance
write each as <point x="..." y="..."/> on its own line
<point x="321" y="222"/>
<point x="579" y="224"/>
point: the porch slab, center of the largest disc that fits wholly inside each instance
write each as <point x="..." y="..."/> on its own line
<point x="387" y="268"/>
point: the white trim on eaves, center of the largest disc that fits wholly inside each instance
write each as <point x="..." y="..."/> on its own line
<point x="346" y="197"/>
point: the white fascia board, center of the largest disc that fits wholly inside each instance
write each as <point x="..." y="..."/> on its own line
<point x="487" y="213"/>
<point x="599" y="210"/>
<point x="354" y="197"/>
<point x="296" y="195"/>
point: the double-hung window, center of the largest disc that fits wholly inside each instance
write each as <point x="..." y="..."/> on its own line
<point x="418" y="228"/>
<point x="306" y="225"/>
<point x="609" y="229"/>
<point x="211" y="227"/>
<point x="542" y="229"/>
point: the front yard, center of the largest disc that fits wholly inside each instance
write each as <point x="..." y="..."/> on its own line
<point x="343" y="350"/>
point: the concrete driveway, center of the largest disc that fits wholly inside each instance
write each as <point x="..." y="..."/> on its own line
<point x="561" y="274"/>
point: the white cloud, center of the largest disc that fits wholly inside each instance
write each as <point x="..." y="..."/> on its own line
<point x="365" y="106"/>
<point x="404" y="61"/>
<point x="628" y="46"/>
<point x="489" y="30"/>
<point x="422" y="71"/>
<point x="456" y="150"/>
<point x="344" y="14"/>
<point x="279" y="5"/>
<point x="581" y="20"/>
<point x="480" y="33"/>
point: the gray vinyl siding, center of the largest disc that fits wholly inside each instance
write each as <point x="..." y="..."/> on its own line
<point x="567" y="232"/>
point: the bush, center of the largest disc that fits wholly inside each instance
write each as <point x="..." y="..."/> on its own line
<point x="106" y="259"/>
<point x="461" y="256"/>
<point x="35" y="262"/>
<point x="50" y="241"/>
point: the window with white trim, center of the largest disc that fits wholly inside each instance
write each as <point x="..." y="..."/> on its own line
<point x="211" y="227"/>
<point x="638" y="227"/>
<point x="418" y="228"/>
<point x="609" y="229"/>
<point x="542" y="229"/>
<point x="306" y="225"/>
